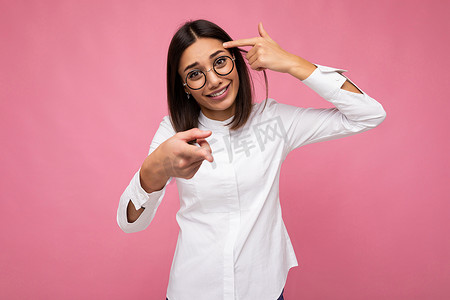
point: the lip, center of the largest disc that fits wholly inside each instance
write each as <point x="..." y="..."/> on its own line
<point x="220" y="97"/>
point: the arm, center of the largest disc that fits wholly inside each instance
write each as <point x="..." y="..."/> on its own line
<point x="301" y="69"/>
<point x="137" y="208"/>
<point x="152" y="178"/>
<point x="354" y="110"/>
<point x="267" y="54"/>
<point x="138" y="204"/>
<point x="170" y="156"/>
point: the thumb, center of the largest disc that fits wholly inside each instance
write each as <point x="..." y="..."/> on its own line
<point x="262" y="32"/>
<point x="197" y="153"/>
<point x="205" y="145"/>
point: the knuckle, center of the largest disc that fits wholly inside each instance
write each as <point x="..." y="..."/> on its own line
<point x="180" y="164"/>
<point x="176" y="152"/>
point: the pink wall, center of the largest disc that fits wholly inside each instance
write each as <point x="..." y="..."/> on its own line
<point x="82" y="92"/>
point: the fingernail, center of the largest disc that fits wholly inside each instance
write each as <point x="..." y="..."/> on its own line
<point x="225" y="45"/>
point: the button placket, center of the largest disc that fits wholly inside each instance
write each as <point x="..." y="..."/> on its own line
<point x="234" y="225"/>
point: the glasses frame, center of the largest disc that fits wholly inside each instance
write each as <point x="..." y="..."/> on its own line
<point x="213" y="68"/>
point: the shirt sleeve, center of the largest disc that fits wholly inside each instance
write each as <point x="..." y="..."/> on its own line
<point x="138" y="196"/>
<point x="353" y="112"/>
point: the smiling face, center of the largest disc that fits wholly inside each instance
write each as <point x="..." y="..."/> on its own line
<point x="217" y="97"/>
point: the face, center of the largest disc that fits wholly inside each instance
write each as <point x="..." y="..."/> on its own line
<point x="217" y="97"/>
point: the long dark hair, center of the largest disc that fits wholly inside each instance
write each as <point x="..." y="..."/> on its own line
<point x="183" y="112"/>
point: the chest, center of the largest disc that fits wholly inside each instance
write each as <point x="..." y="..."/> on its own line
<point x="245" y="161"/>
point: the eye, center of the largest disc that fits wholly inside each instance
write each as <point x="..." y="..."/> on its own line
<point x="220" y="62"/>
<point x="194" y="75"/>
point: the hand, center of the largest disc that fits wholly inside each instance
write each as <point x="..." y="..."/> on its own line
<point x="265" y="53"/>
<point x="181" y="159"/>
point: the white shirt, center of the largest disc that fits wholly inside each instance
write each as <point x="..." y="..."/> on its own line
<point x="232" y="243"/>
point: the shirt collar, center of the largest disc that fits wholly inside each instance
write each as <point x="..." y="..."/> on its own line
<point x="215" y="125"/>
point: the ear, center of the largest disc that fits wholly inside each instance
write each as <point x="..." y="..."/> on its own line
<point x="184" y="86"/>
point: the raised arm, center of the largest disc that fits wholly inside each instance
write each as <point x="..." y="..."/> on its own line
<point x="267" y="54"/>
<point x="354" y="110"/>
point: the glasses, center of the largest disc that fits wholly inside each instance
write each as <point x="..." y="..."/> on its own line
<point x="196" y="79"/>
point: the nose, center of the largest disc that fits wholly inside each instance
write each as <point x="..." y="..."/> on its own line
<point x="212" y="79"/>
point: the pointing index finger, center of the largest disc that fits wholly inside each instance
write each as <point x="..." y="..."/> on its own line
<point x="240" y="43"/>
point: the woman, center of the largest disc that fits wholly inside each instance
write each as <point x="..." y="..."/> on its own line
<point x="225" y="153"/>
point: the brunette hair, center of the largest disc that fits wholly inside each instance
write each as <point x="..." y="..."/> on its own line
<point x="184" y="112"/>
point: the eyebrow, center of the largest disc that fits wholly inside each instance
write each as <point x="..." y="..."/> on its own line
<point x="196" y="63"/>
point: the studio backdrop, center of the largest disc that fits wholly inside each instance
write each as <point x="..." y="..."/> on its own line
<point x="82" y="92"/>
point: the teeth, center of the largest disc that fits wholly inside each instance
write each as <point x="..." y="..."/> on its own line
<point x="219" y="93"/>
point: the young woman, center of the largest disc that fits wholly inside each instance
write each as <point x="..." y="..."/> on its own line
<point x="225" y="152"/>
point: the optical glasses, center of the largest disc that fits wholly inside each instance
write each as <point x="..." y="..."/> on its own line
<point x="222" y="66"/>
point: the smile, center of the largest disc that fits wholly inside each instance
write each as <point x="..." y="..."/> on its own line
<point x="219" y="92"/>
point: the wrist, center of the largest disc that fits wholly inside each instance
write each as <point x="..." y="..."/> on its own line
<point x="153" y="175"/>
<point x="300" y="68"/>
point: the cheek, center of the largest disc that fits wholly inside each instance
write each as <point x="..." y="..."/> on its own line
<point x="197" y="95"/>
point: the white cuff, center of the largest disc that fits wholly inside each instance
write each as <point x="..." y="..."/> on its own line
<point x="139" y="196"/>
<point x="325" y="81"/>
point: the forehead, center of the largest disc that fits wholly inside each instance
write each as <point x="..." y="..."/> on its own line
<point x="200" y="51"/>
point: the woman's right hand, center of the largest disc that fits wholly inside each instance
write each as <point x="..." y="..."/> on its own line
<point x="175" y="158"/>
<point x="181" y="159"/>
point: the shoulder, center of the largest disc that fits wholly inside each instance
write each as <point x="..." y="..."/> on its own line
<point x="264" y="106"/>
<point x="274" y="108"/>
<point x="166" y="120"/>
<point x="166" y="126"/>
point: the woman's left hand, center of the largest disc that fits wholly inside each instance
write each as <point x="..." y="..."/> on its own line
<point x="266" y="53"/>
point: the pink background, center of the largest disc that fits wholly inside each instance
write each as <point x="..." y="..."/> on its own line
<point x="82" y="91"/>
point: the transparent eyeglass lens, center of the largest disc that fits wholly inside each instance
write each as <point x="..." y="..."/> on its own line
<point x="223" y="65"/>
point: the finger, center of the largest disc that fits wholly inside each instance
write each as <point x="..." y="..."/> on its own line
<point x="254" y="64"/>
<point x="250" y="53"/>
<point x="241" y="43"/>
<point x="196" y="153"/>
<point x="252" y="59"/>
<point x="257" y="66"/>
<point x="262" y="32"/>
<point x="193" y="134"/>
<point x="205" y="145"/>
